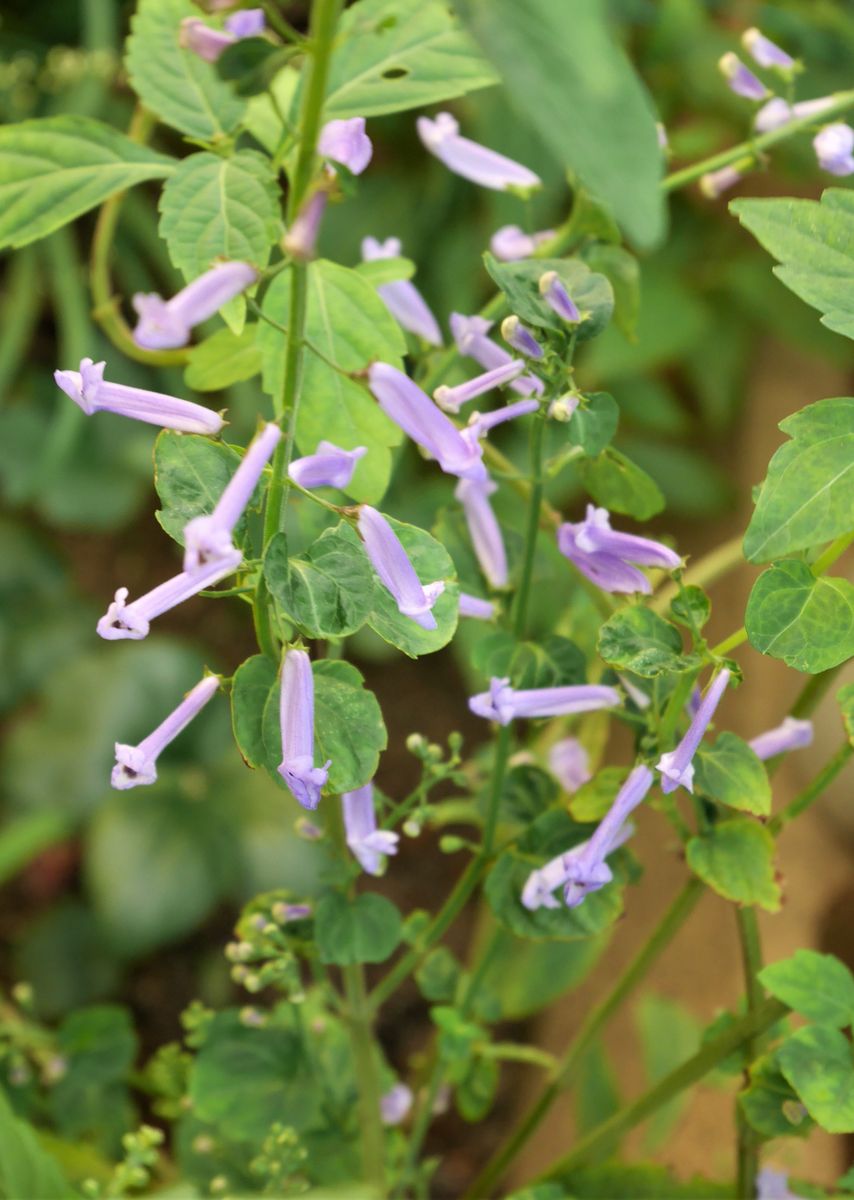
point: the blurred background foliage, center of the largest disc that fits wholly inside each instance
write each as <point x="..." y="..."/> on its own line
<point x="107" y="896"/>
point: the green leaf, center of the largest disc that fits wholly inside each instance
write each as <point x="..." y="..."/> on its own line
<point x="364" y="929"/>
<point x="817" y="1063"/>
<point x="190" y="474"/>
<point x="807" y="622"/>
<point x="808" y="495"/>
<point x="845" y="697"/>
<point x="253" y="681"/>
<point x="378" y="271"/>
<point x="640" y="1181"/>
<point x="91" y="1098"/>
<point x="252" y="63"/>
<point x="519" y="282"/>
<point x="638" y="640"/>
<point x="525" y="977"/>
<point x="620" y="485"/>
<point x="475" y="1093"/>
<point x="26" y="1169"/>
<point x="397" y="54"/>
<point x="55" y="168"/>
<point x="64" y="956"/>
<point x="214" y="208"/>
<point x="623" y="271"/>
<point x="736" y="858"/>
<point x="175" y="84"/>
<point x="329" y="590"/>
<point x="669" y="1035"/>
<point x="814" y="243"/>
<point x="556" y="662"/>
<point x="223" y="359"/>
<point x="438" y="975"/>
<point x="770" y="1104"/>
<point x="597" y="1091"/>
<point x="593" y="424"/>
<point x="691" y="608"/>
<point x="431" y="562"/>
<point x="576" y="89"/>
<point x="731" y="773"/>
<point x="818" y="986"/>
<point x="527" y="791"/>
<point x="594" y="798"/>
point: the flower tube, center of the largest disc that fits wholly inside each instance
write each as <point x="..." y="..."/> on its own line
<point x="833" y="148"/>
<point x="402" y="298"/>
<point x="510" y="243"/>
<point x="570" y="764"/>
<point x="503" y="704"/>
<point x="91" y="392"/>
<point x="123" y="620"/>
<point x="558" y="298"/>
<point x="470" y="336"/>
<point x="209" y="43"/>
<point x="477" y="608"/>
<point x="166" y="324"/>
<point x="740" y="79"/>
<point x="765" y="52"/>
<point x="676" y="767"/>
<point x="520" y="338"/>
<point x="391" y="563"/>
<point x="607" y="557"/>
<point x="329" y="466"/>
<point x="484" y="530"/>
<point x="791" y="734"/>
<point x="715" y="183"/>
<point x="137" y="765"/>
<point x="441" y="136"/>
<point x="777" y="112"/>
<point x="451" y="399"/>
<point x="301" y="238"/>
<point x="296" y="716"/>
<point x="367" y="843"/>
<point x="345" y="142"/>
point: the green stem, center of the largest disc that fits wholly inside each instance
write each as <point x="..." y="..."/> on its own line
<point x="19" y="313"/>
<point x="690" y="1072"/>
<point x="596" y="1019"/>
<point x="747" y="1151"/>
<point x="813" y="790"/>
<point x="359" y="1023"/>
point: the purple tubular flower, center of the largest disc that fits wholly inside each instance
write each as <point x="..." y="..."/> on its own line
<point x="249" y="22"/>
<point x="166" y="324"/>
<point x="833" y="148"/>
<point x="452" y="398"/>
<point x="510" y="243"/>
<point x="583" y="869"/>
<point x="503" y="704"/>
<point x="91" y="392"/>
<point x="137" y="765"/>
<point x="301" y="239"/>
<point x="676" y="767"/>
<point x="765" y="52"/>
<point x="391" y="563"/>
<point x="329" y="466"/>
<point x="558" y="298"/>
<point x="470" y="335"/>
<point x="402" y="298"/>
<point x="715" y="183"/>
<point x="792" y="734"/>
<point x="395" y="1104"/>
<point x="639" y="698"/>
<point x="774" y="1185"/>
<point x="481" y="423"/>
<point x="345" y="142"/>
<point x="367" y="843"/>
<point x="296" y="715"/>
<point x="740" y="79"/>
<point x="777" y="112"/>
<point x="202" y="40"/>
<point x="123" y="620"/>
<point x="207" y="539"/>
<point x="606" y="557"/>
<point x="484" y="530"/>
<point x="472" y="161"/>
<point x="475" y="607"/>
<point x="425" y="423"/>
<point x="569" y="763"/>
<point x="520" y="338"/>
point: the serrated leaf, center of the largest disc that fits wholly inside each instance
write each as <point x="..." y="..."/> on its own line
<point x="590" y="291"/>
<point x="181" y="88"/>
<point x="818" y="986"/>
<point x="220" y="208"/>
<point x="223" y="359"/>
<point x="190" y="475"/>
<point x="638" y="640"/>
<point x="54" y="169"/>
<point x="818" y="1064"/>
<point x="620" y="485"/>
<point x="364" y="929"/>
<point x="728" y="771"/>
<point x="431" y="562"/>
<point x="328" y="590"/>
<point x="736" y="859"/>
<point x="623" y="272"/>
<point x="806" y="622"/>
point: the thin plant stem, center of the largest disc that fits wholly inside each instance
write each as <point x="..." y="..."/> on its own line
<point x="359" y="1021"/>
<point x="814" y="790"/>
<point x="747" y="1147"/>
<point x="707" y="570"/>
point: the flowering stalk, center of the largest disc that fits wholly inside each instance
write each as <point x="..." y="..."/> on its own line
<point x="137" y="765"/>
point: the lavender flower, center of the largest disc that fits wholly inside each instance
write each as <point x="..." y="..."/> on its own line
<point x="510" y="243"/>
<point x="503" y="704"/>
<point x="296" y="715"/>
<point x="402" y="298"/>
<point x="207" y="539"/>
<point x="740" y="79"/>
<point x="91" y="392"/>
<point x="484" y="530"/>
<point x="136" y="765"/>
<point x="301" y="239"/>
<point x="367" y="843"/>
<point x="774" y="1185"/>
<point x="583" y="869"/>
<point x="570" y="764"/>
<point x="420" y="419"/>
<point x="472" y="161"/>
<point x="714" y="183"/>
<point x="452" y="398"/>
<point x="391" y="563"/>
<point x="777" y="112"/>
<point x="249" y="22"/>
<point x="676" y="767"/>
<point x="475" y="607"/>
<point x="479" y="423"/>
<point x="123" y="620"/>
<point x="470" y="336"/>
<point x="639" y="698"/>
<point x="563" y="408"/>
<point x="833" y="147"/>
<point x="329" y="466"/>
<point x="395" y="1104"/>
<point x="346" y="143"/>
<point x="606" y="556"/>
<point x="765" y="52"/>
<point x="521" y="339"/>
<point x="166" y="324"/>
<point x="209" y="43"/>
<point x="558" y="298"/>
<point x="792" y="734"/>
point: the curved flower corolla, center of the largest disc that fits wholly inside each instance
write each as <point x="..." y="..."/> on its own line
<point x="91" y="392"/>
<point x="329" y="466"/>
<point x="395" y="1104"/>
<point x="123" y="620"/>
<point x="209" y="43"/>
<point x="570" y="764"/>
<point x="207" y="539"/>
<point x="765" y="52"/>
<point x="470" y="336"/>
<point x="391" y="563"/>
<point x="166" y="324"/>
<point x="441" y="136"/>
<point x="476" y="607"/>
<point x="791" y="734"/>
<point x="368" y="844"/>
<point x="677" y="766"/>
<point x="774" y="1185"/>
<point x="715" y="183"/>
<point x="503" y="704"/>
<point x="510" y="243"/>
<point x="296" y="717"/>
<point x="346" y="143"/>
<point x="611" y="559"/>
<point x="833" y="148"/>
<point x="402" y="298"/>
<point x="584" y="869"/>
<point x="451" y="399"/>
<point x="136" y="765"/>
<point x="740" y="79"/>
<point x="484" y="530"/>
<point x="778" y="112"/>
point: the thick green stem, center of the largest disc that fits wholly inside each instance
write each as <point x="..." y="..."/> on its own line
<point x="747" y="1151"/>
<point x="813" y="790"/>
<point x="359" y="1023"/>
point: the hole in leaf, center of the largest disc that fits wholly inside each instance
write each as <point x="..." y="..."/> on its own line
<point x="396" y="73"/>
